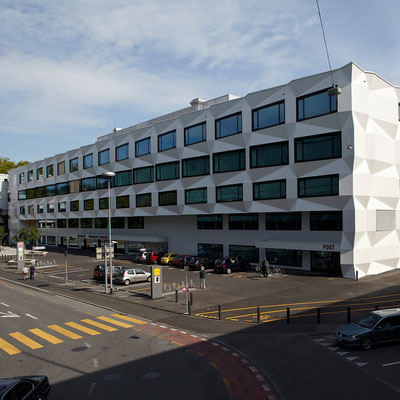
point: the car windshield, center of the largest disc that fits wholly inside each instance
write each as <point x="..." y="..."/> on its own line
<point x="368" y="321"/>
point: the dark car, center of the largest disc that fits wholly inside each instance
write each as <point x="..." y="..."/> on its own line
<point x="35" y="387"/>
<point x="374" y="327"/>
<point x="99" y="272"/>
<point x="154" y="257"/>
<point x="197" y="262"/>
<point x="181" y="260"/>
<point x="227" y="265"/>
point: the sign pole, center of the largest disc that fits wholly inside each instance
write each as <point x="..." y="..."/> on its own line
<point x="66" y="265"/>
<point x="105" y="267"/>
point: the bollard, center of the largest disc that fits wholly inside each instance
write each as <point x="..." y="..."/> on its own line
<point x="318" y="315"/>
<point x="176" y="296"/>
<point x="219" y="312"/>
<point x="356" y="275"/>
<point x="258" y="315"/>
<point x="348" y="315"/>
<point x="191" y="298"/>
<point x="189" y="308"/>
<point x="376" y="307"/>
<point x="288" y="315"/>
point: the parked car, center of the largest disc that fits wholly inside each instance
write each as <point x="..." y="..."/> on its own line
<point x="168" y="258"/>
<point x="132" y="275"/>
<point x="99" y="271"/>
<point x="197" y="262"/>
<point x="181" y="260"/>
<point x="154" y="257"/>
<point x="374" y="327"/>
<point x="227" y="265"/>
<point x="140" y="257"/>
<point x="33" y="387"/>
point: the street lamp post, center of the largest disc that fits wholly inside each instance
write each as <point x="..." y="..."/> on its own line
<point x="109" y="175"/>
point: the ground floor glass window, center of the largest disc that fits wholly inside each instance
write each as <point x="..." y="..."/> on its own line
<point x="210" y="250"/>
<point x="291" y="258"/>
<point x="326" y="261"/>
<point x="247" y="253"/>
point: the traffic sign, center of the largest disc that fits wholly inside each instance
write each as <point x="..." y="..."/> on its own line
<point x="184" y="290"/>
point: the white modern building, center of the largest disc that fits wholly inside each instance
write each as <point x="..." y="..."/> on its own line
<point x="307" y="178"/>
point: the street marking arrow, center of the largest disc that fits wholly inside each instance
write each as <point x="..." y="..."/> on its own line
<point x="8" y="314"/>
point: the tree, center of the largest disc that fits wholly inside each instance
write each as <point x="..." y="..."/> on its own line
<point x="3" y="234"/>
<point x="6" y="164"/>
<point x="34" y="234"/>
<point x="22" y="235"/>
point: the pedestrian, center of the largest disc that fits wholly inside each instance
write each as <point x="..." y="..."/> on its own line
<point x="25" y="271"/>
<point x="265" y="267"/>
<point x="32" y="269"/>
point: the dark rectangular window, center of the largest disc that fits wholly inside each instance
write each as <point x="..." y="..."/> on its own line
<point x="167" y="171"/>
<point x="292" y="258"/>
<point x="247" y="253"/>
<point x="22" y="210"/>
<point x="135" y="222"/>
<point x="74" y="205"/>
<point x="269" y="190"/>
<point x="88" y="161"/>
<point x="122" y="201"/>
<point x="31" y="193"/>
<point x="50" y="170"/>
<point x="62" y="188"/>
<point x="62" y="206"/>
<point x="103" y="157"/>
<point x="269" y="155"/>
<point x="318" y="147"/>
<point x="122" y="152"/>
<point x="167" y="198"/>
<point x="100" y="223"/>
<point x="102" y="182"/>
<point x="283" y="221"/>
<point x="212" y="251"/>
<point x="61" y="168"/>
<point x="118" y="222"/>
<point x="73" y="164"/>
<point x="326" y="220"/>
<point x="143" y="200"/>
<point x="270" y="115"/>
<point x="103" y="203"/>
<point x="41" y="191"/>
<point x="87" y="223"/>
<point x="22" y="177"/>
<point x="229" y="193"/>
<point x="21" y="194"/>
<point x="318" y="186"/>
<point x="167" y="141"/>
<point x="30" y="176"/>
<point x="88" y="184"/>
<point x="212" y="222"/>
<point x="39" y="173"/>
<point x="73" y="223"/>
<point x="123" y="178"/>
<point x="40" y="209"/>
<point x="316" y="104"/>
<point x="142" y="147"/>
<point x="61" y="223"/>
<point x="88" y="204"/>
<point x="227" y="126"/>
<point x="196" y="166"/>
<point x="229" y="161"/>
<point x="143" y="175"/>
<point x="51" y="190"/>
<point x="195" y="134"/>
<point x="50" y="208"/>
<point x="196" y="196"/>
<point x="243" y="222"/>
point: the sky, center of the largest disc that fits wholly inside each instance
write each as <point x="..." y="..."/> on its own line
<point x="72" y="70"/>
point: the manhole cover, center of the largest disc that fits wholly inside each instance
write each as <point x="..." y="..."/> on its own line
<point x="151" y="375"/>
<point x="112" y="377"/>
<point x="82" y="348"/>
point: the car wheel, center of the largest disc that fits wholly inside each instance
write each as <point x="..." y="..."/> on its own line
<point x="366" y="343"/>
<point x="228" y="270"/>
<point x="127" y="282"/>
<point x="149" y="279"/>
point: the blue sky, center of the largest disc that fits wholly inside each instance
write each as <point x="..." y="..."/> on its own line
<point x="71" y="71"/>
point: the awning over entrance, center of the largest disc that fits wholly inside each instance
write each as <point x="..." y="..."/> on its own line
<point x="127" y="238"/>
<point x="298" y="245"/>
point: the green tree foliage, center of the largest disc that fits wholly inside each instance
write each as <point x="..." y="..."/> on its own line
<point x="3" y="234"/>
<point x="35" y="234"/>
<point x="6" y="164"/>
<point x="26" y="235"/>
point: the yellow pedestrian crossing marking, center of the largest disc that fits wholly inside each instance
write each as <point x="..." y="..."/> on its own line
<point x="46" y="336"/>
<point x="25" y="340"/>
<point x="82" y="328"/>
<point x="65" y="332"/>
<point x="99" y="325"/>
<point x="115" y="322"/>
<point x="136" y="321"/>
<point x="8" y="348"/>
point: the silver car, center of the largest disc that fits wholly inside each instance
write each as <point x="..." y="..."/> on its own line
<point x="132" y="275"/>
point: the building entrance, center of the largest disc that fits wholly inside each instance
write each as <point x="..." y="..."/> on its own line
<point x="326" y="261"/>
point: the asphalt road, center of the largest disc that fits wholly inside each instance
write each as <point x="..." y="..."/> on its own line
<point x="89" y="352"/>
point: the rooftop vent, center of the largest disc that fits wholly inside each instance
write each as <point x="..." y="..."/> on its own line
<point x="197" y="101"/>
<point x="117" y="129"/>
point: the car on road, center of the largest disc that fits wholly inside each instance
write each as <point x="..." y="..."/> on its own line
<point x="33" y="387"/>
<point x="168" y="258"/>
<point x="197" y="262"/>
<point x="154" y="257"/>
<point x="377" y="326"/>
<point x="227" y="265"/>
<point x="132" y="275"/>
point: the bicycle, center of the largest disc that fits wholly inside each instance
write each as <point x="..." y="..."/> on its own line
<point x="275" y="270"/>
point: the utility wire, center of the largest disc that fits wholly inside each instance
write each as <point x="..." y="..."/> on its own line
<point x="326" y="46"/>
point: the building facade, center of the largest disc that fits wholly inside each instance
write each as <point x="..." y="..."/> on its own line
<point x="307" y="179"/>
<point x="4" y="202"/>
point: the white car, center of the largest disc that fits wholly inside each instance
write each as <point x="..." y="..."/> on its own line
<point x="132" y="275"/>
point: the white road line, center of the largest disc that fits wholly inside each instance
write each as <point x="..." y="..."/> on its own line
<point x="393" y="363"/>
<point x="260" y="378"/>
<point x="95" y="363"/>
<point x="343" y="353"/>
<point x="360" y="364"/>
<point x="235" y="354"/>
<point x="351" y="358"/>
<point x="87" y="344"/>
<point x="4" y="304"/>
<point x="253" y="369"/>
<point x="162" y="326"/>
<point x="92" y="389"/>
<point x="185" y="333"/>
<point x="215" y="344"/>
<point x="30" y="316"/>
<point x="244" y="361"/>
<point x="225" y="349"/>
